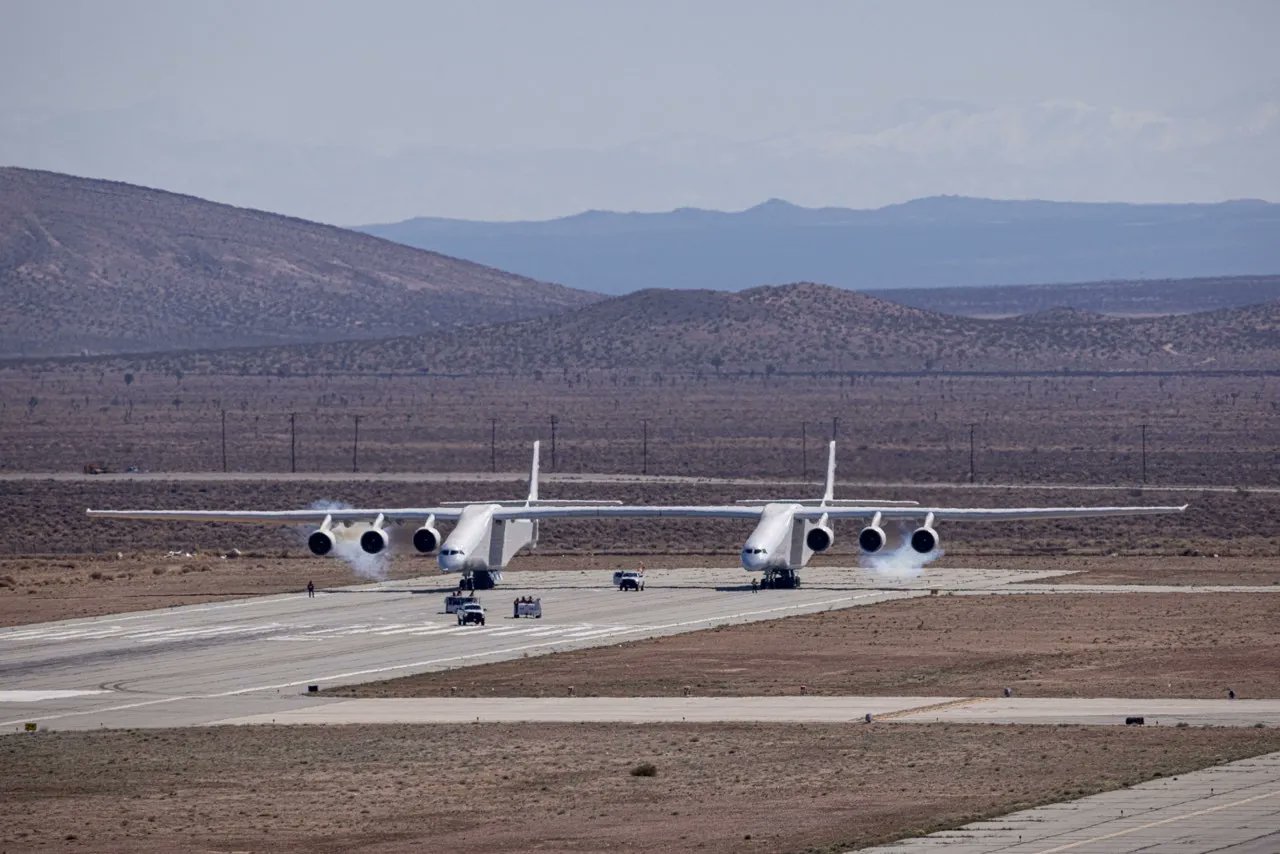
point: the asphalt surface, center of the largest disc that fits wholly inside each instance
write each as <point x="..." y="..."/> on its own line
<point x="251" y="661"/>
<point x="793" y="709"/>
<point x="202" y="664"/>
<point x="1229" y="809"/>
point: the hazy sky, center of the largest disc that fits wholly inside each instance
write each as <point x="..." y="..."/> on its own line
<point x="377" y="111"/>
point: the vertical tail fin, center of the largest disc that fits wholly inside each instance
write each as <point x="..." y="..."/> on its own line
<point x="830" y="493"/>
<point x="533" y="476"/>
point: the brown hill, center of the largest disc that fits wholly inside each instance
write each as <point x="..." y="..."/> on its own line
<point x="99" y="266"/>
<point x="1124" y="298"/>
<point x="800" y="328"/>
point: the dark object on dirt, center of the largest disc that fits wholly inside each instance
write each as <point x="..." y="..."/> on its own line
<point x="313" y="689"/>
<point x="1135" y="720"/>
<point x="645" y="769"/>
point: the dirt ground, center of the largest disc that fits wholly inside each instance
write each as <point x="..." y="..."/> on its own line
<point x="1141" y="569"/>
<point x="722" y="788"/>
<point x="1193" y="645"/>
<point x="44" y="588"/>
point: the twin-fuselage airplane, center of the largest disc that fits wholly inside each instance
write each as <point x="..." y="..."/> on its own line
<point x="487" y="534"/>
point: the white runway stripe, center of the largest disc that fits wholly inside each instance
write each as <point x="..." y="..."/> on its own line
<point x="298" y="632"/>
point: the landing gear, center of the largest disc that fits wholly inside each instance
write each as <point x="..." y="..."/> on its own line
<point x="480" y="579"/>
<point x="780" y="579"/>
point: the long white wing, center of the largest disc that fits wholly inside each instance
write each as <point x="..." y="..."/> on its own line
<point x="887" y="512"/>
<point x="595" y="511"/>
<point x="282" y="517"/>
<point x="984" y="514"/>
<point x="634" y="511"/>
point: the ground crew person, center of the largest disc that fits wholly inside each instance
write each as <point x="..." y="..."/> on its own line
<point x="311" y="590"/>
<point x="755" y="585"/>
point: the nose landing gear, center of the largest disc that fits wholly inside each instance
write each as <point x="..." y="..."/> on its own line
<point x="780" y="579"/>
<point x="478" y="580"/>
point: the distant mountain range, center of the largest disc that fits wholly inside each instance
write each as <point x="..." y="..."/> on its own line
<point x="798" y="328"/>
<point x="98" y="266"/>
<point x="942" y="241"/>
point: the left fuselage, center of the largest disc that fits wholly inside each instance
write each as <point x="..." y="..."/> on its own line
<point x="771" y="545"/>
<point x="481" y="543"/>
<point x="466" y="549"/>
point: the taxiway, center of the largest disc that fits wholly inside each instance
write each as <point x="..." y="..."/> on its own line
<point x="201" y="664"/>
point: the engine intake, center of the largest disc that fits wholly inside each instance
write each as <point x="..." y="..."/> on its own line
<point x="320" y="542"/>
<point x="819" y="538"/>
<point x="924" y="539"/>
<point x="374" y="541"/>
<point x="426" y="539"/>
<point x="872" y="539"/>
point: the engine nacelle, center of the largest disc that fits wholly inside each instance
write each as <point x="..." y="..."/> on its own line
<point x="819" y="538"/>
<point x="426" y="539"/>
<point x="321" y="542"/>
<point x="924" y="539"/>
<point x="374" y="541"/>
<point x="872" y="539"/>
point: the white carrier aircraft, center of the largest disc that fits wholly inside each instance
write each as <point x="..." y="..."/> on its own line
<point x="487" y="534"/>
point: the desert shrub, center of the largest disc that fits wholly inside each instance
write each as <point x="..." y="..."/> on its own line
<point x="644" y="769"/>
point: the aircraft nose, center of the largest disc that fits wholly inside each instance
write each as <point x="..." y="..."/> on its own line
<point x="451" y="559"/>
<point x="754" y="559"/>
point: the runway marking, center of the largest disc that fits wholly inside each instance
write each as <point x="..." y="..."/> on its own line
<point x="1151" y="824"/>
<point x="98" y="711"/>
<point x="95" y="622"/>
<point x="465" y="657"/>
<point x="573" y="631"/>
<point x="932" y="707"/>
<point x="551" y="643"/>
<point x="34" y="696"/>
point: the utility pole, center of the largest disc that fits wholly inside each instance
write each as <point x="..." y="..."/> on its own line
<point x="493" y="444"/>
<point x="971" y="470"/>
<point x="835" y="428"/>
<point x="1144" y="454"/>
<point x="293" y="442"/>
<point x="644" y="446"/>
<point x="804" y="451"/>
<point x="355" y="447"/>
<point x="224" y="440"/>
<point x="553" y="442"/>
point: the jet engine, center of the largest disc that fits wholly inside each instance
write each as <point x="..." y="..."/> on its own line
<point x="872" y="539"/>
<point x="819" y="538"/>
<point x="924" y="539"/>
<point x="375" y="540"/>
<point x="426" y="539"/>
<point x="321" y="542"/>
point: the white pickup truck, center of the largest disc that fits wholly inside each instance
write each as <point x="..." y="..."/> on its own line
<point x="629" y="579"/>
<point x="471" y="613"/>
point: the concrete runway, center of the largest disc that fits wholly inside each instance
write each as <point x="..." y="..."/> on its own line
<point x="794" y="709"/>
<point x="1230" y="809"/>
<point x="250" y="661"/>
<point x="205" y="663"/>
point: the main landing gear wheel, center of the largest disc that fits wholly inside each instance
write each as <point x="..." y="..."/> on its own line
<point x="482" y="581"/>
<point x="781" y="579"/>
